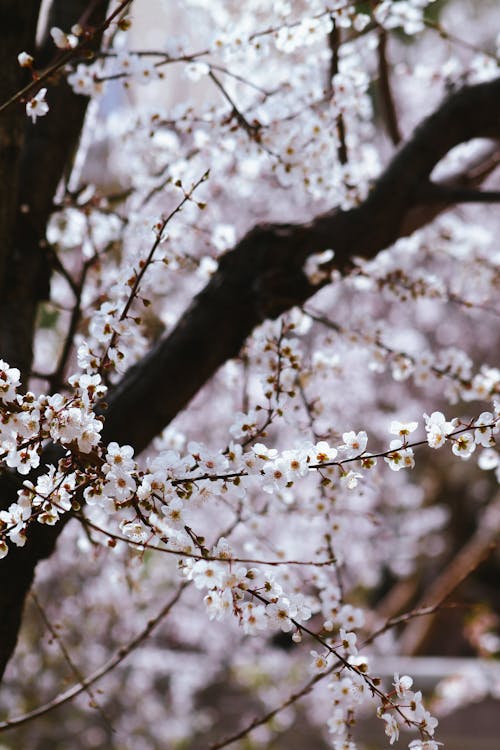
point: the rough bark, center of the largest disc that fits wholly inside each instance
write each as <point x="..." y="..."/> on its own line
<point x="49" y="146"/>
<point x="17" y="571"/>
<point x="261" y="278"/>
<point x="17" y="34"/>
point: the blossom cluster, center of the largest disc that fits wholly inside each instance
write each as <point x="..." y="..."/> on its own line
<point x="156" y="500"/>
<point x="289" y="500"/>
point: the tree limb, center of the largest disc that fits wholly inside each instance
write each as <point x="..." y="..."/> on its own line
<point x="49" y="146"/>
<point x="17" y="34"/>
<point x="474" y="552"/>
<point x="262" y="276"/>
<point x="386" y="97"/>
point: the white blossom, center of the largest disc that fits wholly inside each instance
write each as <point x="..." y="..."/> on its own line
<point x="37" y="106"/>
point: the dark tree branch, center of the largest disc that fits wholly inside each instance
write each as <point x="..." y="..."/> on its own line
<point x="387" y="99"/>
<point x="17" y="570"/>
<point x="334" y="42"/>
<point x="452" y="194"/>
<point x="17" y="34"/>
<point x="47" y="155"/>
<point x="261" y="278"/>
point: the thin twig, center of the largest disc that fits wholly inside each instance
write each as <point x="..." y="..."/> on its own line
<point x="68" y="659"/>
<point x="252" y="129"/>
<point x="144" y="265"/>
<point x="192" y="555"/>
<point x="118" y="657"/>
<point x="308" y="687"/>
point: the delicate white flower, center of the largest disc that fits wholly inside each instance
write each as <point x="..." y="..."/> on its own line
<point x="223" y="549"/>
<point x="274" y="476"/>
<point x="14" y="520"/>
<point x="74" y="424"/>
<point x="207" y="460"/>
<point x="350" y="617"/>
<point x="119" y="459"/>
<point x="218" y="604"/>
<point x="280" y="613"/>
<point x="402" y="428"/>
<point x="484" y="383"/>
<point x="25" y="60"/>
<point x="391" y="727"/>
<point x="87" y="360"/>
<point x="437" y="428"/>
<point x="344" y="691"/>
<point x="89" y="437"/>
<point x="253" y="618"/>
<point x="301" y="607"/>
<point x="483" y="434"/>
<point x="424" y="745"/>
<point x="206" y="574"/>
<point x="94" y="495"/>
<point x="402" y="684"/>
<point x="84" y="80"/>
<point x="125" y="63"/>
<point x="207" y="267"/>
<point x="27" y="423"/>
<point x="337" y="723"/>
<point x="350" y="479"/>
<point x="368" y="461"/>
<point x="436" y="437"/>
<point x="23" y="460"/>
<point x="428" y="723"/>
<point x="173" y="512"/>
<point x="399" y="457"/>
<point x="319" y="662"/>
<point x="354" y="443"/>
<point x="89" y="386"/>
<point x="120" y="486"/>
<point x="244" y="424"/>
<point x="104" y="323"/>
<point x="348" y="641"/>
<point x="464" y="445"/>
<point x="224" y="236"/>
<point x="488" y="460"/>
<point x="264" y="453"/>
<point x="272" y="587"/>
<point x="135" y="531"/>
<point x="63" y="40"/>
<point x="312" y="266"/>
<point x="415" y="711"/>
<point x="234" y="578"/>
<point x="393" y="15"/>
<point x="295" y="463"/>
<point x="37" y="106"/>
<point x="402" y="367"/>
<point x="323" y="452"/>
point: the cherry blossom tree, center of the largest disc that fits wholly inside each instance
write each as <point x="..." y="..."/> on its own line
<point x="248" y="389"/>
